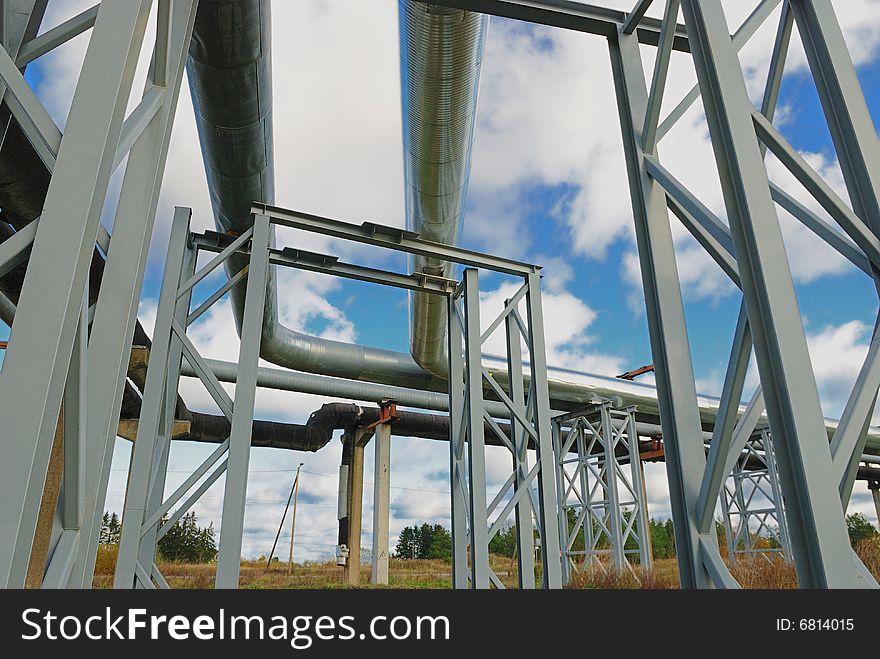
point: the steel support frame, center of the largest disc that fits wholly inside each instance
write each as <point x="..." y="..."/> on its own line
<point x="594" y="448"/>
<point x="752" y="253"/>
<point x="676" y="391"/>
<point x="146" y="514"/>
<point x="751" y="503"/>
<point x="530" y="491"/>
<point x="41" y="351"/>
<point x="818" y="535"/>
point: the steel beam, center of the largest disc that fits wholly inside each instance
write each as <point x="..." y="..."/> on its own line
<point x="235" y="492"/>
<point x="116" y="310"/>
<point x="858" y="151"/>
<point x="550" y="554"/>
<point x="525" y="538"/>
<point x="676" y="391"/>
<point x="578" y="16"/>
<point x="457" y="441"/>
<point x="820" y="545"/>
<point x="41" y="343"/>
<point x="476" y="446"/>
<point x="149" y="429"/>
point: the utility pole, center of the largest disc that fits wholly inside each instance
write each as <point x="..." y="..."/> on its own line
<point x="283" y="517"/>
<point x="293" y="519"/>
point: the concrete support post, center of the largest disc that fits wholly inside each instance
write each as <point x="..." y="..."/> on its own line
<point x="874" y="487"/>
<point x="381" y="503"/>
<point x="355" y="494"/>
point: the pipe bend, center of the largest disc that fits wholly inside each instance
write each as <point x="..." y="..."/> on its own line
<point x="441" y="52"/>
<point x="230" y="76"/>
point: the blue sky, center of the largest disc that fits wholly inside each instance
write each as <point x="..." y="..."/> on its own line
<point x="548" y="185"/>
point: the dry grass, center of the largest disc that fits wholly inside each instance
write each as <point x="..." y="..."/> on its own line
<point x="869" y="551"/>
<point x="663" y="576"/>
<point x="402" y="573"/>
<point x="751" y="573"/>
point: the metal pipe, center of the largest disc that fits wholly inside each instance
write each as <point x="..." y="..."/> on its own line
<point x="231" y="86"/>
<point x="441" y="51"/>
<point x="230" y="81"/>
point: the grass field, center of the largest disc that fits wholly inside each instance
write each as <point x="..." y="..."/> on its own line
<point x="750" y="573"/>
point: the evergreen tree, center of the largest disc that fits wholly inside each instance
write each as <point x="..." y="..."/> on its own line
<point x="103" y="538"/>
<point x="114" y="528"/>
<point x="186" y="542"/>
<point x="441" y="544"/>
<point x="110" y="529"/>
<point x="859" y="528"/>
<point x="407" y="543"/>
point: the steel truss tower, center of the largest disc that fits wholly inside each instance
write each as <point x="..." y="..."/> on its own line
<point x="600" y="480"/>
<point x="751" y="503"/>
<point x="62" y="349"/>
<point x="52" y="356"/>
<point x="816" y="479"/>
<point x="530" y="491"/>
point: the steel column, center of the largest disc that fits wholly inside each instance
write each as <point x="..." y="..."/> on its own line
<point x="116" y="309"/>
<point x="476" y="446"/>
<point x="818" y="533"/>
<point x="235" y="492"/>
<point x="35" y="367"/>
<point x="858" y="151"/>
<point x="144" y="456"/>
<point x="525" y="538"/>
<point x="457" y="429"/>
<point x="685" y="459"/>
<point x="550" y="551"/>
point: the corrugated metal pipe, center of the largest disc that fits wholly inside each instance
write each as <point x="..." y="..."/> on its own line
<point x="441" y="52"/>
<point x="230" y="75"/>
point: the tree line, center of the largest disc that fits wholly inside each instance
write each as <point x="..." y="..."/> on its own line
<point x="184" y="542"/>
<point x="428" y="541"/>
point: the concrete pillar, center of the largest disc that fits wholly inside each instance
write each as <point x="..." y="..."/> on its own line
<point x="874" y="486"/>
<point x="355" y="506"/>
<point x="381" y="503"/>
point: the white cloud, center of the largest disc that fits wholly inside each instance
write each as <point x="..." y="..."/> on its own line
<point x="548" y="118"/>
<point x="567" y="320"/>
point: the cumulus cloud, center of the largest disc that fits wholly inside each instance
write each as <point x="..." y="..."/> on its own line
<point x="567" y="320"/>
<point x="547" y="118"/>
